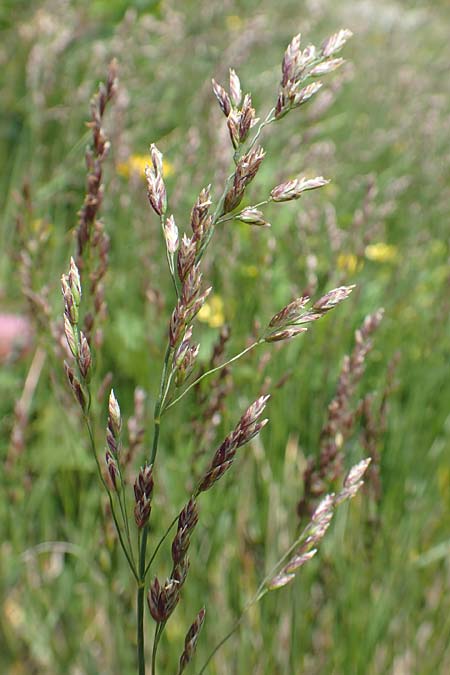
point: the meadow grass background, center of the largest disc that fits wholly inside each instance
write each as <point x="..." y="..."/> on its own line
<point x="376" y="599"/>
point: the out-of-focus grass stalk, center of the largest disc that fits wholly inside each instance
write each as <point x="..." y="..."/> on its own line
<point x="143" y="569"/>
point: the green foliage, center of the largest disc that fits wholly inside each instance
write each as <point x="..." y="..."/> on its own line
<point x="376" y="598"/>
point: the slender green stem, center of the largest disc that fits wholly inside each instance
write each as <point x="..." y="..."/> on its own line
<point x="157" y="424"/>
<point x="172" y="273"/>
<point x="219" y="208"/>
<point x="259" y="594"/>
<point x="122" y="543"/>
<point x="212" y="371"/>
<point x="160" y="543"/>
<point x="233" y="216"/>
<point x="143" y="569"/>
<point x="221" y="643"/>
<point x="158" y="631"/>
<point x="111" y="501"/>
<point x="166" y="392"/>
<point x="269" y="119"/>
<point x="216" y="215"/>
<point x="170" y="262"/>
<point x="142" y="553"/>
<point x="140" y="603"/>
<point x="94" y="451"/>
<point x="123" y="511"/>
<point x="157" y="412"/>
<point x="121" y="496"/>
<point x="140" y="630"/>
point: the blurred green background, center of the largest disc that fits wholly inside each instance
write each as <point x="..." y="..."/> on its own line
<point x="376" y="599"/>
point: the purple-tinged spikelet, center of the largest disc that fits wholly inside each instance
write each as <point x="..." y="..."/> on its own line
<point x="247" y="428"/>
<point x="289" y="321"/>
<point x="235" y="88"/>
<point x="293" y="189"/>
<point x="246" y="170"/>
<point x="187" y="520"/>
<point x="171" y="235"/>
<point x="190" y="642"/>
<point x="335" y="42"/>
<point x="253" y="216"/>
<point x="156" y="190"/>
<point x="222" y="98"/>
<point x="143" y="488"/>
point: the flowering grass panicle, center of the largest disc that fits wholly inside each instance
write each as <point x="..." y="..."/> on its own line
<point x="185" y="252"/>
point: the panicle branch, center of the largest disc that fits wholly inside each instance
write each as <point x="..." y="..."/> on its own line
<point x="240" y="118"/>
<point x="298" y="66"/>
<point x="294" y="189"/>
<point x="289" y="321"/>
<point x="305" y="548"/>
<point x="246" y="429"/>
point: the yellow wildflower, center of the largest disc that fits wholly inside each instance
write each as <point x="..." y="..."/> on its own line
<point x="212" y="312"/>
<point x="135" y="166"/>
<point x="348" y="262"/>
<point x="381" y="252"/>
<point x="234" y="22"/>
<point x="250" y="271"/>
